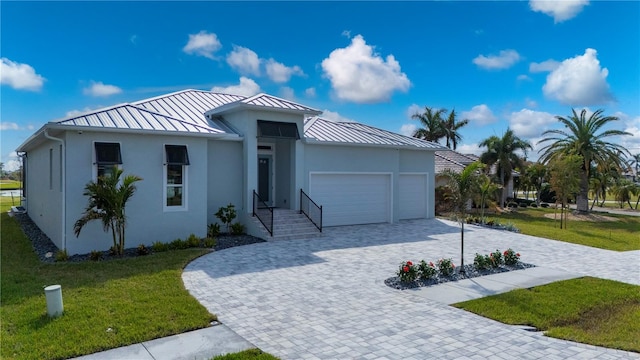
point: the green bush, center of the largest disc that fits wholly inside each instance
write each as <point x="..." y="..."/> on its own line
<point x="237" y="229"/>
<point x="143" y="250"/>
<point x="159" y="246"/>
<point x="210" y="242"/>
<point x="227" y="215"/>
<point x="481" y="262"/>
<point x="496" y="258"/>
<point x="213" y="230"/>
<point x="193" y="241"/>
<point x="62" y="255"/>
<point x="95" y="255"/>
<point x="511" y="257"/>
<point x="407" y="272"/>
<point x="426" y="271"/>
<point x="445" y="267"/>
<point x="178" y="244"/>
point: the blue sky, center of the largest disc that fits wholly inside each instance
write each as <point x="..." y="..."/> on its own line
<point x="499" y="64"/>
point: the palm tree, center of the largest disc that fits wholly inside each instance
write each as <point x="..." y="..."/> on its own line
<point x="486" y="190"/>
<point x="582" y="139"/>
<point x="451" y="127"/>
<point x="502" y="153"/>
<point x="107" y="200"/>
<point x="624" y="190"/>
<point x="463" y="187"/>
<point x="431" y="121"/>
<point x="635" y="160"/>
<point x="536" y="173"/>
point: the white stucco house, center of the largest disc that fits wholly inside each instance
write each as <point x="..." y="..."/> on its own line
<point x="199" y="150"/>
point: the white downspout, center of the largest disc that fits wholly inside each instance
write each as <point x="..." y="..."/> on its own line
<point x="63" y="170"/>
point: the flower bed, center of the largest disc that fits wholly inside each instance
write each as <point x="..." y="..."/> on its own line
<point x="410" y="275"/>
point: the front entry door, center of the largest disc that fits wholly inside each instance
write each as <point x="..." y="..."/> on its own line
<point x="264" y="178"/>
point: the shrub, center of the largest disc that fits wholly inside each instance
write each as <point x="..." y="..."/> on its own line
<point x="114" y="250"/>
<point x="426" y="271"/>
<point x="226" y="215"/>
<point x="407" y="272"/>
<point x="210" y="242"/>
<point x="178" y="244"/>
<point x="213" y="230"/>
<point x="95" y="255"/>
<point x="496" y="258"/>
<point x="237" y="229"/>
<point x="193" y="241"/>
<point x="159" y="246"/>
<point x="62" y="255"/>
<point x="511" y="227"/>
<point x="511" y="257"/>
<point x="445" y="267"/>
<point x="534" y="205"/>
<point x="481" y="262"/>
<point x="143" y="250"/>
<point x="544" y="205"/>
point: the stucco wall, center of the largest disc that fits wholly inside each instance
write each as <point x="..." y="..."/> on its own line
<point x="44" y="192"/>
<point x="225" y="171"/>
<point x="142" y="155"/>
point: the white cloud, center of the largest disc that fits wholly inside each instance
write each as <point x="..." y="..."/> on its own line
<point x="11" y="162"/>
<point x="531" y="103"/>
<point x="413" y="109"/>
<point x="359" y="75"/>
<point x="244" y="60"/>
<point x="480" y="114"/>
<point x="579" y="81"/>
<point x="523" y="77"/>
<point x="202" y="44"/>
<point x="6" y="125"/>
<point x="310" y="92"/>
<point x="559" y="10"/>
<point x="469" y="149"/>
<point x="334" y="116"/>
<point x="408" y="129"/>
<point x="76" y="112"/>
<point x="287" y="93"/>
<point x="528" y="123"/>
<point x="504" y="60"/>
<point x="100" y="89"/>
<point x="632" y="125"/>
<point x="19" y="76"/>
<point x="280" y="73"/>
<point x="246" y="87"/>
<point x="545" y="66"/>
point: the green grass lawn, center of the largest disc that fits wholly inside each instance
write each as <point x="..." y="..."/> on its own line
<point x="10" y="184"/>
<point x="107" y="304"/>
<point x="620" y="235"/>
<point x="587" y="310"/>
<point x="251" y="354"/>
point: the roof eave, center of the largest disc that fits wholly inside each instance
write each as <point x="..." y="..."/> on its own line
<point x="313" y="141"/>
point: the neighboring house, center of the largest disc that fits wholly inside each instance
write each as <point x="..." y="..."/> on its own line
<point x="199" y="150"/>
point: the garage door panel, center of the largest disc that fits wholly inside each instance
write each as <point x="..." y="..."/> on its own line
<point x="412" y="196"/>
<point x="349" y="199"/>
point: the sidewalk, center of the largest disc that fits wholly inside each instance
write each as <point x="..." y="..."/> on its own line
<point x="198" y="344"/>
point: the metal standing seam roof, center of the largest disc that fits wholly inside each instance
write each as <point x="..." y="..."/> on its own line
<point x="127" y="116"/>
<point x="327" y="131"/>
<point x="267" y="100"/>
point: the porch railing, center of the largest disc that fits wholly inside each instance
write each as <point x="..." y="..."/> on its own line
<point x="263" y="212"/>
<point x="311" y="210"/>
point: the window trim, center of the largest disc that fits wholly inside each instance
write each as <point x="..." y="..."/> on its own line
<point x="185" y="179"/>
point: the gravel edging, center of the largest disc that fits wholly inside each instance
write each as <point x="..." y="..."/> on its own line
<point x="45" y="249"/>
<point x="470" y="271"/>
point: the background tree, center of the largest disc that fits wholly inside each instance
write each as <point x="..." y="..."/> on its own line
<point x="582" y="139"/>
<point x="502" y="152"/>
<point x="450" y="127"/>
<point x="432" y="124"/>
<point x="536" y="173"/>
<point x="564" y="180"/>
<point x="634" y="165"/>
<point x="108" y="197"/>
<point x="463" y="188"/>
<point x="623" y="191"/>
<point x="486" y="190"/>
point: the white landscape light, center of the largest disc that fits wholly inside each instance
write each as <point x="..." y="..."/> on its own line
<point x="53" y="293"/>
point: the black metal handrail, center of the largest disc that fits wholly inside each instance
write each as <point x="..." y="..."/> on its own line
<point x="258" y="211"/>
<point x="311" y="210"/>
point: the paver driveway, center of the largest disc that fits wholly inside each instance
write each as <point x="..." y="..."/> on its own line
<point x="326" y="298"/>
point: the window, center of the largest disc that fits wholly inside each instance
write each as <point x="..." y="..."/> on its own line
<point x="177" y="159"/>
<point x="107" y="158"/>
<point x="278" y="130"/>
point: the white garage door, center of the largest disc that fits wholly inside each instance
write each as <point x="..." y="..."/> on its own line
<point x="412" y="196"/>
<point x="349" y="199"/>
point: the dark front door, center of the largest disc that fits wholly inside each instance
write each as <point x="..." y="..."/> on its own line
<point x="264" y="178"/>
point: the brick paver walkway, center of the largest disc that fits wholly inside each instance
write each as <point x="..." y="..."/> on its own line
<point x="325" y="298"/>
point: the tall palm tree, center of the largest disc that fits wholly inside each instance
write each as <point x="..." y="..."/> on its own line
<point x="634" y="162"/>
<point x="107" y="200"/>
<point x="431" y="121"/>
<point x="582" y="139"/>
<point x="486" y="190"/>
<point x="502" y="152"/>
<point x="624" y="190"/>
<point x="463" y="186"/>
<point x="451" y="127"/>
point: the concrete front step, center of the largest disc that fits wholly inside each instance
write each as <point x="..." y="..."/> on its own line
<point x="288" y="225"/>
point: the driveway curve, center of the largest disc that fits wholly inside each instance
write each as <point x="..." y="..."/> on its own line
<point x="325" y="298"/>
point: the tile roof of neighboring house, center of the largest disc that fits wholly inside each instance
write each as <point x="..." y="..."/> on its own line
<point x="443" y="163"/>
<point x="320" y="130"/>
<point x="457" y="157"/>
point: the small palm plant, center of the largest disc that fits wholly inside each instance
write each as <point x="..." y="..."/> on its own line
<point x="107" y="200"/>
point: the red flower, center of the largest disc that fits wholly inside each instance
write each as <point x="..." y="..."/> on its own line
<point x="453" y="265"/>
<point x="405" y="269"/>
<point x="409" y="263"/>
<point x="505" y="253"/>
<point x="518" y="254"/>
<point x="431" y="264"/>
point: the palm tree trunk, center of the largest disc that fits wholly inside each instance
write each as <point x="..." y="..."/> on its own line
<point x="582" y="200"/>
